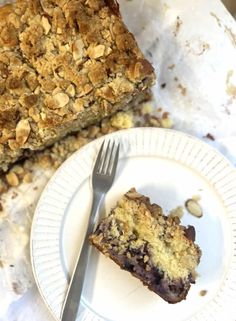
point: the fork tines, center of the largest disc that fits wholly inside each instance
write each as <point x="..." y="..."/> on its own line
<point x="107" y="158"/>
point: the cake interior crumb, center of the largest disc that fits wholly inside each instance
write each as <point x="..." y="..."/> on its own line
<point x="134" y="225"/>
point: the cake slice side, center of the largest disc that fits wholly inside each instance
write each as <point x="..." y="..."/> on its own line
<point x="151" y="246"/>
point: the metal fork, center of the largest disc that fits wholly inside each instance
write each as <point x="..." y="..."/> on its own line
<point x="102" y="178"/>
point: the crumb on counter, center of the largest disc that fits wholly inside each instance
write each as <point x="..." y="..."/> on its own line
<point x="165" y="115"/>
<point x="230" y="87"/>
<point x="19" y="170"/>
<point x="203" y="292"/>
<point x="122" y="120"/>
<point x="12" y="179"/>
<point x="52" y="157"/>
<point x="44" y="160"/>
<point x="14" y="195"/>
<point x="170" y="67"/>
<point x="182" y="89"/>
<point x="27" y="178"/>
<point x="17" y="288"/>
<point x="209" y="136"/>
<point x="146" y="109"/>
<point x="153" y="121"/>
<point x="166" y="123"/>
<point x="178" y="24"/>
<point x="3" y="185"/>
<point x="165" y="120"/>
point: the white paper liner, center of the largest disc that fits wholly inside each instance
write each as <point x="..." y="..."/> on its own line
<point x="193" y="48"/>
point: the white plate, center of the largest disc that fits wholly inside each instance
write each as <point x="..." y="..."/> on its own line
<point x="170" y="167"/>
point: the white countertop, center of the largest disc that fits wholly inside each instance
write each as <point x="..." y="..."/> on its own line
<point x="194" y="56"/>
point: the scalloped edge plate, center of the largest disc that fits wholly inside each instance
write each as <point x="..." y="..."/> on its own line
<point x="169" y="166"/>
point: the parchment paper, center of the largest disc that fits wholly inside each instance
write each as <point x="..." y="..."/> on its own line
<point x="193" y="48"/>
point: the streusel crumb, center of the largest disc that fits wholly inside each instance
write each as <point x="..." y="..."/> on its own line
<point x="63" y="66"/>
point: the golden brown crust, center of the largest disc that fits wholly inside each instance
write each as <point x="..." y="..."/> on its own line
<point x="63" y="65"/>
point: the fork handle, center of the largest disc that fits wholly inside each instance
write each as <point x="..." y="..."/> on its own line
<point x="72" y="300"/>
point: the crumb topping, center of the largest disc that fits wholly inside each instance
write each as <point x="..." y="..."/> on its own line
<point x="63" y="66"/>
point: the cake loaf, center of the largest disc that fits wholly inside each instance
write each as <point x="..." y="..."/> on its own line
<point x="64" y="64"/>
<point x="155" y="248"/>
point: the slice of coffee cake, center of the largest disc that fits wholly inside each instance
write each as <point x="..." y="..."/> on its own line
<point x="155" y="248"/>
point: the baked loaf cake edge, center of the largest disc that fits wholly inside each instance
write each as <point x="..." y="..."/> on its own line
<point x="63" y="66"/>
